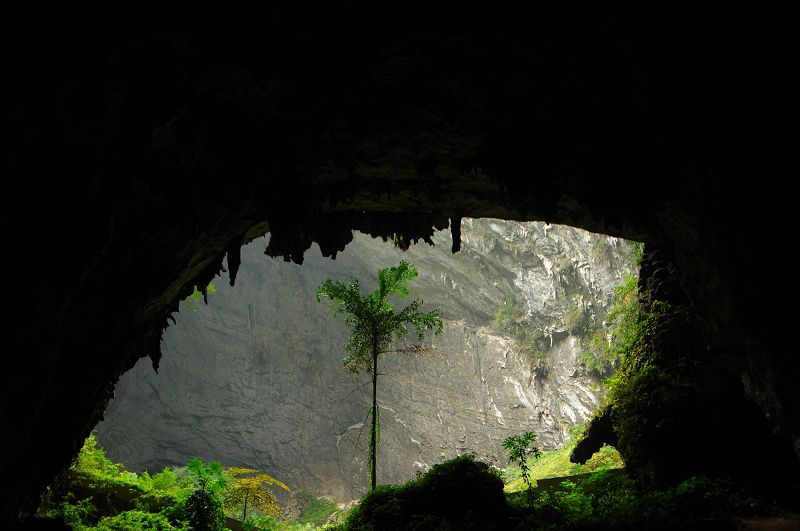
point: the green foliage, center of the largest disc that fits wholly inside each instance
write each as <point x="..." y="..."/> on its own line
<point x="642" y="382"/>
<point x="136" y="519"/>
<point x="194" y="299"/>
<point x="511" y="317"/>
<point x="375" y="325"/>
<point x="92" y="460"/>
<point x="519" y="448"/>
<point x="458" y="494"/>
<point x="637" y="252"/>
<point x="372" y="319"/>
<point x="269" y="523"/>
<point x="556" y="463"/>
<point x="622" y="333"/>
<point x="575" y="319"/>
<point x="204" y="511"/>
<point x="98" y="492"/>
<point x="80" y="514"/>
<point x="314" y="511"/>
<point x="610" y="500"/>
<point x="210" y="476"/>
<point x="204" y="508"/>
<point x="252" y="488"/>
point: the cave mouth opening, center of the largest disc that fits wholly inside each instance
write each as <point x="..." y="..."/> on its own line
<point x="254" y="379"/>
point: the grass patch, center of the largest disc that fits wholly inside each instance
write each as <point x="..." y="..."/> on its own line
<point x="556" y="463"/>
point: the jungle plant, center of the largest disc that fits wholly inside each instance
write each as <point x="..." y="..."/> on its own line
<point x="519" y="448"/>
<point x="511" y="317"/>
<point x="461" y="493"/>
<point x="92" y="460"/>
<point x="204" y="506"/>
<point x="315" y="511"/>
<point x="607" y="346"/>
<point x="251" y="487"/>
<point x="575" y="318"/>
<point x="375" y="325"/>
<point x="136" y="519"/>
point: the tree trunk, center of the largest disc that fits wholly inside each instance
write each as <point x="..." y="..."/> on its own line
<point x="374" y="437"/>
<point x="244" y="514"/>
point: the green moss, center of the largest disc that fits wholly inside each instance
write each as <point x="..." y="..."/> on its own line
<point x="575" y="319"/>
<point x="314" y="511"/>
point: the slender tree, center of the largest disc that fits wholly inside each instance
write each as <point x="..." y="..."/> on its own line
<point x="375" y="325"/>
<point x="253" y="488"/>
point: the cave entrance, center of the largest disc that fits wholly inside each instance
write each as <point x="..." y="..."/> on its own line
<point x="254" y="378"/>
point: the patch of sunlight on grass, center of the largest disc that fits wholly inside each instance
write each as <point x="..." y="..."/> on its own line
<point x="557" y="464"/>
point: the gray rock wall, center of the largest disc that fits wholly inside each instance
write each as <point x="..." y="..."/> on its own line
<point x="255" y="379"/>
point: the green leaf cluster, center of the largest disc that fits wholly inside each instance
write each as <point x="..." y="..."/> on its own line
<point x="512" y="318"/>
<point x="375" y="325"/>
<point x="204" y="511"/>
<point x="314" y="511"/>
<point x="372" y="318"/>
<point x="96" y="493"/>
<point x="461" y="493"/>
<point x="251" y="488"/>
<point x="519" y="448"/>
<point x="575" y="319"/>
<point x="194" y="299"/>
<point x="556" y="463"/>
<point x="622" y="334"/>
<point x="210" y="476"/>
<point x="610" y="500"/>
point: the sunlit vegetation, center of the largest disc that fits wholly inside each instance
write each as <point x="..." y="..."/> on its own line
<point x="607" y="346"/>
<point x="537" y="491"/>
<point x="463" y="493"/>
<point x="512" y="318"/>
<point x="520" y="448"/>
<point x="556" y="463"/>
<point x="96" y="493"/>
<point x="197" y="295"/>
<point x="375" y="327"/>
<point x="575" y="319"/>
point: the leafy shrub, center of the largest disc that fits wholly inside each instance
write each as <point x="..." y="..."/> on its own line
<point x="136" y="519"/>
<point x="251" y="488"/>
<point x="510" y="317"/>
<point x="315" y="511"/>
<point x="607" y="346"/>
<point x="611" y="500"/>
<point x="519" y="448"/>
<point x="78" y="515"/>
<point x="92" y="460"/>
<point x="575" y="319"/>
<point x="194" y="299"/>
<point x="204" y="511"/>
<point x="458" y="494"/>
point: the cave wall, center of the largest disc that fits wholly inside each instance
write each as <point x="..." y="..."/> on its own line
<point x="143" y="142"/>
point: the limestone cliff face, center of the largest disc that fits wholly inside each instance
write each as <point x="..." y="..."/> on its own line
<point x="255" y="378"/>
